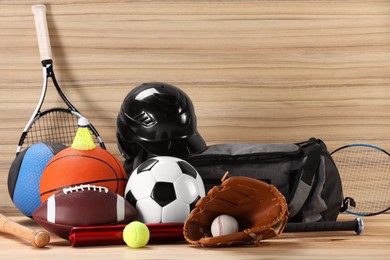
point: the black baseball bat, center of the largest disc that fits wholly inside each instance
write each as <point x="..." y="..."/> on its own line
<point x="356" y="225"/>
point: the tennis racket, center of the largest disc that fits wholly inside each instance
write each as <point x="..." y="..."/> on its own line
<point x="56" y="124"/>
<point x="365" y="175"/>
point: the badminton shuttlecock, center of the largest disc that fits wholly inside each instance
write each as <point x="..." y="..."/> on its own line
<point x="83" y="139"/>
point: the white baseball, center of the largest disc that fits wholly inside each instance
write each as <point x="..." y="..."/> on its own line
<point x="224" y="225"/>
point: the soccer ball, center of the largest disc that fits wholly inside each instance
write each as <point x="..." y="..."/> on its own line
<point x="164" y="189"/>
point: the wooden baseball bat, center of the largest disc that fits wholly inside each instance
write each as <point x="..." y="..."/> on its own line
<point x="38" y="238"/>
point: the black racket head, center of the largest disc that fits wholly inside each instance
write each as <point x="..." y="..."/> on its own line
<point x="365" y="176"/>
<point x="54" y="125"/>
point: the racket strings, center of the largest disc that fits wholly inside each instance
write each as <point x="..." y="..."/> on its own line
<point x="55" y="126"/>
<point x="364" y="173"/>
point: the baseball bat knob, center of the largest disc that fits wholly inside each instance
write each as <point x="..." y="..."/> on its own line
<point x="41" y="239"/>
<point x="360" y="226"/>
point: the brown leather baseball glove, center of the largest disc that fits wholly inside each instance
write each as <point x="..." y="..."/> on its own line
<point x="259" y="208"/>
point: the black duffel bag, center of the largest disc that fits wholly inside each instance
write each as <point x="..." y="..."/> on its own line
<point x="303" y="172"/>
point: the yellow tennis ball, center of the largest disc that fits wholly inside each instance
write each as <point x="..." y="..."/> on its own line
<point x="136" y="234"/>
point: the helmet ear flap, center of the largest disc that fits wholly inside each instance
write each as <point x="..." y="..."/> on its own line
<point x="128" y="150"/>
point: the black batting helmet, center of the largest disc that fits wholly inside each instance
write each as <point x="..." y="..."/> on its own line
<point x="160" y="119"/>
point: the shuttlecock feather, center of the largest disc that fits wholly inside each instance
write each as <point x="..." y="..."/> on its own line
<point x="83" y="139"/>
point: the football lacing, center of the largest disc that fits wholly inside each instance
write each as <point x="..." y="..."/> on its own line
<point x="85" y="187"/>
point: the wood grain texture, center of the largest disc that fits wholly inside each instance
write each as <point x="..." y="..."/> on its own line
<point x="256" y="71"/>
<point x="37" y="238"/>
<point x="373" y="242"/>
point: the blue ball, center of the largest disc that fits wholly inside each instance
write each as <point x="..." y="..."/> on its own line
<point x="25" y="175"/>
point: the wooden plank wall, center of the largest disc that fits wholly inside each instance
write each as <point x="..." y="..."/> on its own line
<point x="257" y="71"/>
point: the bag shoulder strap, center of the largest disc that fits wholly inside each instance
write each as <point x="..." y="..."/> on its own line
<point x="305" y="180"/>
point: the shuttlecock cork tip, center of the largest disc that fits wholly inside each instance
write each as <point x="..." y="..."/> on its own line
<point x="83" y="139"/>
<point x="83" y="122"/>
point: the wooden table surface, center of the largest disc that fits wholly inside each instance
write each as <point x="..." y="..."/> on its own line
<point x="373" y="243"/>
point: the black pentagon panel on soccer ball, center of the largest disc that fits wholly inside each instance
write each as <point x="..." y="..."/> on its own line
<point x="192" y="205"/>
<point x="130" y="198"/>
<point x="186" y="168"/>
<point x="147" y="165"/>
<point x="163" y="193"/>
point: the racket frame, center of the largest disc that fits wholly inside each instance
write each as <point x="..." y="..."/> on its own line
<point x="371" y="147"/>
<point x="39" y="12"/>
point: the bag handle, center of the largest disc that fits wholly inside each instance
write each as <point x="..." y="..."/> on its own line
<point x="305" y="180"/>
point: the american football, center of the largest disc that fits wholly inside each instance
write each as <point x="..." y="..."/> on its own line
<point x="83" y="205"/>
<point x="164" y="189"/>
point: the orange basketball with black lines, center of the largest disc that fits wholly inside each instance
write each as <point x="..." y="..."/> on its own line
<point x="72" y="167"/>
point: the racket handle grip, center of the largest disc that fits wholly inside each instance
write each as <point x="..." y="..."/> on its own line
<point x="42" y="30"/>
<point x="356" y="225"/>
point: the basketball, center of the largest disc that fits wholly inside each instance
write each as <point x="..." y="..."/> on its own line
<point x="72" y="167"/>
<point x="25" y="174"/>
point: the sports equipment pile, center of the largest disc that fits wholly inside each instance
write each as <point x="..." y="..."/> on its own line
<point x="86" y="194"/>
